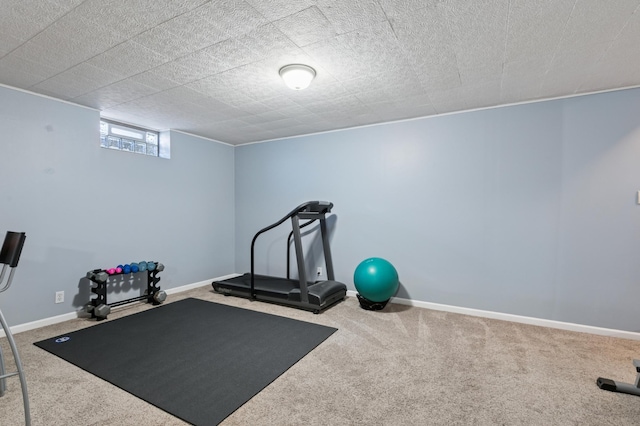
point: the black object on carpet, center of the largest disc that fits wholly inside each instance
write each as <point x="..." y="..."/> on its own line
<point x="197" y="360"/>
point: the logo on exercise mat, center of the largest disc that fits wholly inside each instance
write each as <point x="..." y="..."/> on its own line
<point x="63" y="339"/>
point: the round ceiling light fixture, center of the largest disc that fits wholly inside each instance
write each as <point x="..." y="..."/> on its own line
<point x="297" y="76"/>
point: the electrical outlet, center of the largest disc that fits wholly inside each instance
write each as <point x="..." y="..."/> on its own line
<point x="319" y="271"/>
<point x="59" y="296"/>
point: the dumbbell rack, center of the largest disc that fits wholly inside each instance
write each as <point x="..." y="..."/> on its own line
<point x="99" y="288"/>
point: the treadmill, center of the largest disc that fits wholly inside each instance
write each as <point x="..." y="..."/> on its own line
<point x="297" y="293"/>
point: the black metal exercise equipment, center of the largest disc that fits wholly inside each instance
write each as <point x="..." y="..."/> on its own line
<point x="614" y="386"/>
<point x="98" y="306"/>
<point x="9" y="257"/>
<point x="297" y="293"/>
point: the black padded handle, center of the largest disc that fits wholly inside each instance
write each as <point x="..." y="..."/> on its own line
<point x="12" y="248"/>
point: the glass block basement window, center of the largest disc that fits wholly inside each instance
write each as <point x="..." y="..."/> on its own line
<point x="124" y="137"/>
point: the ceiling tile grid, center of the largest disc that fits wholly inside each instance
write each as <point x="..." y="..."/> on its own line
<point x="210" y="68"/>
<point x="306" y="27"/>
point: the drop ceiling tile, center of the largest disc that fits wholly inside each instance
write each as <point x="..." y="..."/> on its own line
<point x="99" y="76"/>
<point x="203" y="115"/>
<point x="528" y="67"/>
<point x="444" y="76"/>
<point x="260" y="135"/>
<point x="482" y="95"/>
<point x="267" y="41"/>
<point x="562" y="83"/>
<point x="259" y="92"/>
<point x="25" y="18"/>
<point x="518" y="90"/>
<point x="277" y="9"/>
<point x="46" y="92"/>
<point x="18" y="72"/>
<point x="234" y="124"/>
<point x="374" y="50"/>
<point x="265" y="117"/>
<point x="344" y="105"/>
<point x="286" y="132"/>
<point x="235" y="114"/>
<point x="115" y="94"/>
<point x="616" y="68"/>
<point x="73" y="82"/>
<point x="164" y="42"/>
<point x="480" y="74"/>
<point x="609" y="77"/>
<point x="393" y="8"/>
<point x="522" y="79"/>
<point x="277" y="125"/>
<point x="247" y="82"/>
<point x="365" y="83"/>
<point x="287" y="56"/>
<point x="324" y="87"/>
<point x="448" y="100"/>
<point x="337" y="57"/>
<point x="211" y="104"/>
<point x="236" y="138"/>
<point x="254" y="108"/>
<point x="375" y="96"/>
<point x="203" y="62"/>
<point x="155" y="80"/>
<point x="535" y="28"/>
<point x="392" y="111"/>
<point x="178" y="96"/>
<point x="425" y="38"/>
<point x="631" y="31"/>
<point x="347" y="16"/>
<point x="306" y="27"/>
<point x="184" y="70"/>
<point x="219" y="18"/>
<point x="9" y="43"/>
<point x="217" y="88"/>
<point x="378" y="39"/>
<point x="191" y="37"/>
<point x="80" y="31"/>
<point x="133" y="17"/>
<point x="66" y="4"/>
<point x="300" y="129"/>
<point x="579" y="58"/>
<point x="127" y="59"/>
<point x="94" y="100"/>
<point x="400" y="93"/>
<point x="478" y="30"/>
<point x="232" y="53"/>
<point x="196" y="113"/>
<point x="281" y="103"/>
<point x="55" y="55"/>
<point x="412" y="101"/>
<point x="593" y="21"/>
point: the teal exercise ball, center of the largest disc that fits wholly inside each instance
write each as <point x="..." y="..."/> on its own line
<point x="376" y="279"/>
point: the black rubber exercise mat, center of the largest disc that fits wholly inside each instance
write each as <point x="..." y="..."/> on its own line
<point x="197" y="360"/>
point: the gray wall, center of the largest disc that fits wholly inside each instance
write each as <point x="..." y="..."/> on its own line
<point x="527" y="210"/>
<point x="86" y="207"/>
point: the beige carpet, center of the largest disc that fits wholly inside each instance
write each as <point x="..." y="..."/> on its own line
<point x="400" y="366"/>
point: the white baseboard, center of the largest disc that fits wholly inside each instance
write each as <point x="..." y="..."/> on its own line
<point x="73" y="315"/>
<point x="40" y="323"/>
<point x="515" y="318"/>
<point x="417" y="303"/>
<point x="199" y="284"/>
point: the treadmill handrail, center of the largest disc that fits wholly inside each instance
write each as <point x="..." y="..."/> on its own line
<point x="318" y="207"/>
